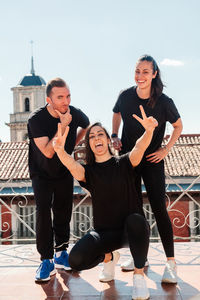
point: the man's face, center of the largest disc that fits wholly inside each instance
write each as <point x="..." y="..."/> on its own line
<point x="59" y="99"/>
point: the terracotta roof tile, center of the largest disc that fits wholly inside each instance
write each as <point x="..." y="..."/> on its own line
<point x="182" y="160"/>
<point x="14" y="161"/>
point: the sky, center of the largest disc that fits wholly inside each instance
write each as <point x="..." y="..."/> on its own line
<point x="94" y="45"/>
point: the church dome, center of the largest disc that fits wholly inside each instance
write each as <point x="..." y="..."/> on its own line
<point x="32" y="79"/>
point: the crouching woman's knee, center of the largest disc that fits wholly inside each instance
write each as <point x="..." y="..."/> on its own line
<point x="76" y="260"/>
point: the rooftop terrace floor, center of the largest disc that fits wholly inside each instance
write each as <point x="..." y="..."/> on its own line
<point x="18" y="264"/>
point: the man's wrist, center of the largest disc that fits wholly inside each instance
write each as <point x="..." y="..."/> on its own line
<point x="114" y="135"/>
<point x="166" y="148"/>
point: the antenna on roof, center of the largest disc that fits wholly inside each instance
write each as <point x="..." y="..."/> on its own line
<point x="32" y="65"/>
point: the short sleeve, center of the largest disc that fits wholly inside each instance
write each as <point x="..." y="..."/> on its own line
<point x="172" y="114"/>
<point x="35" y="129"/>
<point x="116" y="108"/>
<point x="126" y="160"/>
<point x="83" y="119"/>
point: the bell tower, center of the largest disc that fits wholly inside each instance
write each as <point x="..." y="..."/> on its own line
<point x="28" y="95"/>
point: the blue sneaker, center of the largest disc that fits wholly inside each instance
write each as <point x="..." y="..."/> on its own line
<point x="45" y="270"/>
<point x="62" y="262"/>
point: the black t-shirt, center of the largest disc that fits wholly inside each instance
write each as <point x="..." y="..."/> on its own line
<point x="112" y="187"/>
<point x="41" y="123"/>
<point x="128" y="103"/>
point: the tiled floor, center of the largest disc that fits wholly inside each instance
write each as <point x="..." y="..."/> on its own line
<point x="19" y="262"/>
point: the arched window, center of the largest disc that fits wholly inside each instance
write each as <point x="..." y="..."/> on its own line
<point x="27" y="104"/>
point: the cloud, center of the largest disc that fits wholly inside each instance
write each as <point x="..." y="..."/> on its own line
<point x="172" y="62"/>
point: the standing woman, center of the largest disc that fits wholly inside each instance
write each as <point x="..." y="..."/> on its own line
<point x="117" y="211"/>
<point x="148" y="92"/>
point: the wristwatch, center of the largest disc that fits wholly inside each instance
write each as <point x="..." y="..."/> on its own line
<point x="114" y="135"/>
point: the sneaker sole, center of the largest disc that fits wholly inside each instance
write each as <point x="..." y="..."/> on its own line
<point x="141" y="298"/>
<point x="131" y="269"/>
<point x="127" y="269"/>
<point x="67" y="268"/>
<point x="169" y="281"/>
<point x="57" y="266"/>
<point x="48" y="278"/>
<point x="106" y="280"/>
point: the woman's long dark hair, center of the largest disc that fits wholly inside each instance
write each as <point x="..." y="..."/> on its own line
<point x="90" y="158"/>
<point x="157" y="84"/>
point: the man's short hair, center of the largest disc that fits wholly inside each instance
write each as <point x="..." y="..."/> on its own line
<point x="56" y="82"/>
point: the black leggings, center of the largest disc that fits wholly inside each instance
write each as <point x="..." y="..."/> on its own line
<point x="90" y="250"/>
<point x="154" y="180"/>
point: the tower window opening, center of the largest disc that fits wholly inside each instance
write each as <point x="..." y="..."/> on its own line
<point x="27" y="104"/>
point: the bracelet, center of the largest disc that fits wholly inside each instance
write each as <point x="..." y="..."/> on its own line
<point x="114" y="135"/>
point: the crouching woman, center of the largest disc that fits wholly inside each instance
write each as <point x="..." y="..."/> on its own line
<point x="117" y="218"/>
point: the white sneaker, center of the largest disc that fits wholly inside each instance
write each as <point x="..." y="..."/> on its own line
<point x="128" y="265"/>
<point x="140" y="290"/>
<point x="108" y="270"/>
<point x="170" y="272"/>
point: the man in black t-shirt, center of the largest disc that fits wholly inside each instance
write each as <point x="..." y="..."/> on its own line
<point x="52" y="182"/>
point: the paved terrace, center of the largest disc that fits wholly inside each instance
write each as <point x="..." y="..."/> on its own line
<point x="19" y="262"/>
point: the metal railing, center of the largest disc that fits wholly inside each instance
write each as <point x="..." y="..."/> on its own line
<point x="18" y="213"/>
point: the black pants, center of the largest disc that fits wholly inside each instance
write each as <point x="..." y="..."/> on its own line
<point x="153" y="176"/>
<point x="53" y="214"/>
<point x="89" y="251"/>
